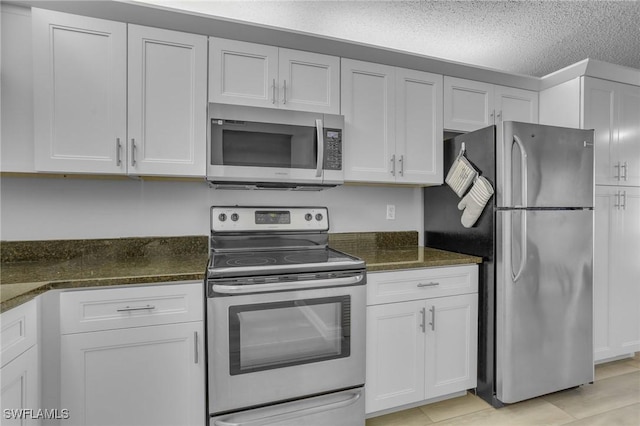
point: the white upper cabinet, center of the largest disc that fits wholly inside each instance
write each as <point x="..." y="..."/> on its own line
<point x="82" y="123"/>
<point x="266" y="76"/>
<point x="80" y="93"/>
<point x="613" y="111"/>
<point x="471" y="105"/>
<point x="167" y="102"/>
<point x="393" y="124"/>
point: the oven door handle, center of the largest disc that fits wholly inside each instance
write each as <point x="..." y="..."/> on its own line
<point x="351" y="399"/>
<point x="290" y="285"/>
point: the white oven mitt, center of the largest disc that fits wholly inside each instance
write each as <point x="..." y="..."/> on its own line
<point x="473" y="203"/>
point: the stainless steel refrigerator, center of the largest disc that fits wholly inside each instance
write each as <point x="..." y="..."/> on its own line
<point x="535" y="236"/>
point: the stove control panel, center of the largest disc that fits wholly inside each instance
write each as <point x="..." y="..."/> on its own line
<point x="255" y="219"/>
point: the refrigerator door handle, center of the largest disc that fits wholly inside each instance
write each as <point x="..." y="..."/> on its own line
<point x="523" y="244"/>
<point x="524" y="172"/>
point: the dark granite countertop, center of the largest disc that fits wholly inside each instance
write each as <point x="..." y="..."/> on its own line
<point x="31" y="268"/>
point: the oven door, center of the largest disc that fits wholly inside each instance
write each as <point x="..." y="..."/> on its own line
<point x="270" y="347"/>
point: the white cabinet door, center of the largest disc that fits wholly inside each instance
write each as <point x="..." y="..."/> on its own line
<point x="309" y="81"/>
<point x="80" y="89"/>
<point x="167" y="102"/>
<point x="625" y="282"/>
<point x="242" y="73"/>
<point x="512" y="104"/>
<point x="21" y="389"/>
<point x="418" y="127"/>
<point x="452" y="344"/>
<point x="137" y="376"/>
<point x="628" y="144"/>
<point x="368" y="106"/>
<point x="468" y="105"/>
<point x="599" y="102"/>
<point x="395" y="355"/>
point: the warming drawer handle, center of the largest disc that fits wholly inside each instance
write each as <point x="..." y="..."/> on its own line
<point x="293" y="414"/>
<point x="136" y="308"/>
<point x="292" y="285"/>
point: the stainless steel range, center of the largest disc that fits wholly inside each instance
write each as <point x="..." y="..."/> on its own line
<point x="285" y="320"/>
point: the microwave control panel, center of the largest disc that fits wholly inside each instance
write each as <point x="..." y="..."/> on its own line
<point x="332" y="149"/>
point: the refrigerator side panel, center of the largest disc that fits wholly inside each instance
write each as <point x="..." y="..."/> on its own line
<point x="545" y="166"/>
<point x="544" y="314"/>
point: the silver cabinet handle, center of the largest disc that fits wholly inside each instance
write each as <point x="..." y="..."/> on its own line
<point x="401" y="165"/>
<point x="118" y="152"/>
<point x="617" y="167"/>
<point x="284" y="99"/>
<point x="429" y="284"/>
<point x="624" y="166"/>
<point x="136" y="308"/>
<point x="433" y="318"/>
<point x="491" y="117"/>
<point x="273" y="88"/>
<point x="617" y="203"/>
<point x="423" y="312"/>
<point x="499" y="116"/>
<point x="623" y="201"/>
<point x="393" y="164"/>
<point x="195" y="347"/>
<point x="320" y="154"/>
<point x="133" y="152"/>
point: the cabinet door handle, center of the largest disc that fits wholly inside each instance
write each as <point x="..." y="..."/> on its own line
<point x="133" y="152"/>
<point x="423" y="326"/>
<point x="491" y="116"/>
<point x="284" y="99"/>
<point x="401" y="165"/>
<point x="433" y="318"/>
<point x="195" y="347"/>
<point x="273" y="88"/>
<point x="499" y="115"/>
<point x="623" y="200"/>
<point x="617" y="167"/>
<point x="136" y="308"/>
<point x="429" y="284"/>
<point x="624" y="166"/>
<point x="118" y="152"/>
<point x="393" y="164"/>
<point x="617" y="203"/>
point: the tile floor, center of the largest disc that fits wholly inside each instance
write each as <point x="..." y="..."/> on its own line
<point x="614" y="399"/>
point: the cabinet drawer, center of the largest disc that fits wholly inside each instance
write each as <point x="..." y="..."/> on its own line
<point x="414" y="284"/>
<point x="19" y="330"/>
<point x="106" y="309"/>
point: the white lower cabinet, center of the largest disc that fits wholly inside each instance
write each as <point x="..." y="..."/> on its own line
<point x="421" y="349"/>
<point x="138" y="375"/>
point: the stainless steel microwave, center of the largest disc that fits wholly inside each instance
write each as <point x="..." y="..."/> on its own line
<point x="251" y="147"/>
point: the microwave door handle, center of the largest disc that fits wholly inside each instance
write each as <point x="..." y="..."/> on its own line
<point x="320" y="155"/>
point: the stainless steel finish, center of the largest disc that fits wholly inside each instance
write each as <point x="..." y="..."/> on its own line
<point x="195" y="347"/>
<point x="284" y="98"/>
<point x="624" y="166"/>
<point x="293" y="285"/>
<point x="401" y="165"/>
<point x="423" y="313"/>
<point x="553" y="164"/>
<point x="320" y="155"/>
<point x="520" y="239"/>
<point x="429" y="284"/>
<point x="617" y="167"/>
<point x="273" y="88"/>
<point x="118" y="152"/>
<point x="393" y="164"/>
<point x="136" y="308"/>
<point x="228" y="392"/>
<point x="133" y="152"/>
<point x="544" y="338"/>
<point x="433" y="318"/>
<point x="344" y="408"/>
<point x="246" y="222"/>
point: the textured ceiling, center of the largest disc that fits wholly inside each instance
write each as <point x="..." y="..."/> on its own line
<point x="526" y="37"/>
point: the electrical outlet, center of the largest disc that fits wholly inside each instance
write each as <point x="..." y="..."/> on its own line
<point x="391" y="212"/>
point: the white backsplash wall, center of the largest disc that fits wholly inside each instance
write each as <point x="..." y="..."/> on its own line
<point x="33" y="208"/>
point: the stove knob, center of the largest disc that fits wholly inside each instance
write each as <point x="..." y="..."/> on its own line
<point x="235" y="217"/>
<point x="308" y="217"/>
<point x="222" y="217"/>
<point x="319" y="217"/>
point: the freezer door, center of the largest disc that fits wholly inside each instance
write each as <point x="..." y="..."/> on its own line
<point x="544" y="276"/>
<point x="544" y="166"/>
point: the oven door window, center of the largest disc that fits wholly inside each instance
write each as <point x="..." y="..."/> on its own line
<point x="281" y="334"/>
<point x="263" y="145"/>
